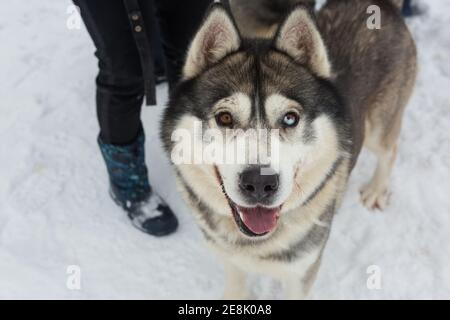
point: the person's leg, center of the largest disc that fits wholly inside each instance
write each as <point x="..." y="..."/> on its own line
<point x="178" y="22"/>
<point x="407" y="10"/>
<point x="120" y="86"/>
<point x="120" y="91"/>
<point x="413" y="8"/>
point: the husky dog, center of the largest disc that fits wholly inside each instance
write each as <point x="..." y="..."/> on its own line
<point x="328" y="84"/>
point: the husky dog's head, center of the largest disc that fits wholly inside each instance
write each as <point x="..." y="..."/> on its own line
<point x="231" y="86"/>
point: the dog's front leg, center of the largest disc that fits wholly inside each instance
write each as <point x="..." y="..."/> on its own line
<point x="294" y="288"/>
<point x="235" y="283"/>
<point x="297" y="287"/>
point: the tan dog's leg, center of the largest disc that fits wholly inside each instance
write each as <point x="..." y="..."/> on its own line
<point x="375" y="194"/>
<point x="383" y="123"/>
<point x="382" y="132"/>
<point x="297" y="288"/>
<point x="294" y="288"/>
<point x="235" y="283"/>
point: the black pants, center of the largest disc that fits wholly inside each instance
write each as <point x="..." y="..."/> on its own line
<point x="120" y="83"/>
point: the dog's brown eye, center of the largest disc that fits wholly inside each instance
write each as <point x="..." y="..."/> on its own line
<point x="290" y="119"/>
<point x="224" y="119"/>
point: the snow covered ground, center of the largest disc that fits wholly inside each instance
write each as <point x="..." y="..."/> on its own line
<point x="55" y="210"/>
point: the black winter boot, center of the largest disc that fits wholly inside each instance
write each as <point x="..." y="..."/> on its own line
<point x="130" y="189"/>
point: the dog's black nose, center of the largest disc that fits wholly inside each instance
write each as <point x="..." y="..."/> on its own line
<point x="258" y="186"/>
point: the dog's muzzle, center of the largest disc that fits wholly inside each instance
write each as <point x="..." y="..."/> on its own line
<point x="258" y="220"/>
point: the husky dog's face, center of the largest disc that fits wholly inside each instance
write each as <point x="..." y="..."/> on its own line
<point x="278" y="91"/>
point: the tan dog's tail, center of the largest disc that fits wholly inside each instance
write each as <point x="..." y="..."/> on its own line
<point x="260" y="18"/>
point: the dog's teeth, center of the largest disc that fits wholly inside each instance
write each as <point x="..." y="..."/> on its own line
<point x="241" y="216"/>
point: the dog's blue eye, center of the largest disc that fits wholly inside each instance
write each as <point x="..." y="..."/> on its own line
<point x="290" y="119"/>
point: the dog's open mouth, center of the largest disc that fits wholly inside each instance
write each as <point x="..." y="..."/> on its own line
<point x="254" y="222"/>
<point x="257" y="221"/>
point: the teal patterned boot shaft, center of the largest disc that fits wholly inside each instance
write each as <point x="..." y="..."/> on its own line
<point x="127" y="170"/>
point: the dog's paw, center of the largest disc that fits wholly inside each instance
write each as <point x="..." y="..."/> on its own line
<point x="374" y="197"/>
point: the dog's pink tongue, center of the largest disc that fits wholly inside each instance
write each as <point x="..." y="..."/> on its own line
<point x="260" y="220"/>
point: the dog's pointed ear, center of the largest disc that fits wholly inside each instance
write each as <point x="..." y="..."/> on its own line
<point x="217" y="37"/>
<point x="299" y="37"/>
